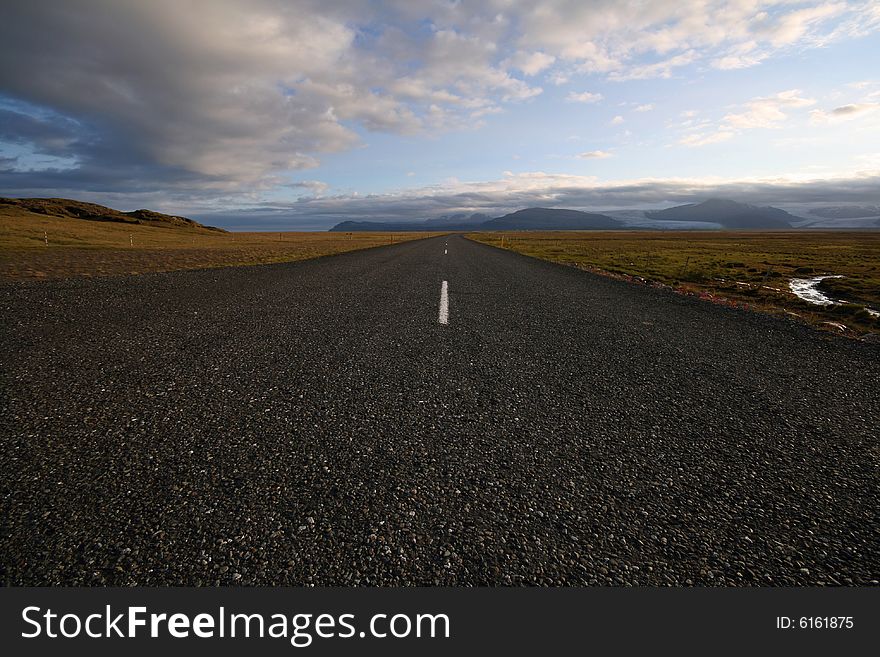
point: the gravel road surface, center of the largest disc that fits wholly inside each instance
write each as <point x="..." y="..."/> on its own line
<point x="315" y="423"/>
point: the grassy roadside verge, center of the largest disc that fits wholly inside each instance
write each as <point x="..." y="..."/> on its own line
<point x="83" y="248"/>
<point x="748" y="269"/>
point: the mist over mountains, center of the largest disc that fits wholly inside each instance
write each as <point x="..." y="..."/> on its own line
<point x="709" y="214"/>
<point x="847" y="211"/>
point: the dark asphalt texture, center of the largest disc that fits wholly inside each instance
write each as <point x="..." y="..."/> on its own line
<point x="313" y="423"/>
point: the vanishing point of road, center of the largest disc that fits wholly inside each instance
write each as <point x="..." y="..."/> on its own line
<point x="437" y="412"/>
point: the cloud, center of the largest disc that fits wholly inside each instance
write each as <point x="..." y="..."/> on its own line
<point x="538" y="188"/>
<point x="767" y="112"/>
<point x="661" y="69"/>
<point x="46" y="132"/>
<point x="594" y="155"/>
<point x="647" y="107"/>
<point x="760" y="112"/>
<point x="731" y="62"/>
<point x="706" y="139"/>
<point x="530" y="63"/>
<point x="494" y="197"/>
<point x="317" y="187"/>
<point x="223" y="100"/>
<point x="793" y="26"/>
<point x="617" y="120"/>
<point x="228" y="95"/>
<point x="584" y="97"/>
<point x="843" y="113"/>
<point x="629" y="40"/>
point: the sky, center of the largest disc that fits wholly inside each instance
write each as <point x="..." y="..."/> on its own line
<point x="271" y="115"/>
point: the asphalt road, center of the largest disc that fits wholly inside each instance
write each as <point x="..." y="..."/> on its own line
<point x="315" y="423"/>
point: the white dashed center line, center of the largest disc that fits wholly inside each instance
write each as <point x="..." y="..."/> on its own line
<point x="443" y="318"/>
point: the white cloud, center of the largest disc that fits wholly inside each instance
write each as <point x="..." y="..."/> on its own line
<point x="792" y="26"/>
<point x="530" y="63"/>
<point x="316" y="187"/>
<point x="730" y="62"/>
<point x="661" y="69"/>
<point x="464" y="64"/>
<point x="584" y="97"/>
<point x="705" y="139"/>
<point x="762" y="112"/>
<point x="647" y="107"/>
<point x="617" y="120"/>
<point x="594" y="155"/>
<point x="767" y="112"/>
<point x="629" y="39"/>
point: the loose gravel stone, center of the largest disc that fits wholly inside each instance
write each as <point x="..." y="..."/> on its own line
<point x="312" y="424"/>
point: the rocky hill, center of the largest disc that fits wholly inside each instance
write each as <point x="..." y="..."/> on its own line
<point x="69" y="208"/>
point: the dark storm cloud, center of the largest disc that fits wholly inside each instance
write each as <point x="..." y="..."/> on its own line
<point x="234" y="93"/>
<point x="160" y="88"/>
<point x="53" y="136"/>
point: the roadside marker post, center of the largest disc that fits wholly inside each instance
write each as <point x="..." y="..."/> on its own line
<point x="46" y="236"/>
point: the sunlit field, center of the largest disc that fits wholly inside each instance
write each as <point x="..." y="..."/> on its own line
<point x="37" y="246"/>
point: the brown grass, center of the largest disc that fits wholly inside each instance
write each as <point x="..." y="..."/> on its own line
<point x="744" y="268"/>
<point x="78" y="247"/>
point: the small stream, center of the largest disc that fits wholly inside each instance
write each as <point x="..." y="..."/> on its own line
<point x="806" y="289"/>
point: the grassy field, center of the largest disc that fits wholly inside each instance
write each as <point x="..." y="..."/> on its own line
<point x="747" y="269"/>
<point x="79" y="247"/>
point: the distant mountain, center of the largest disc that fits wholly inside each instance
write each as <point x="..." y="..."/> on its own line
<point x="458" y="221"/>
<point x="379" y="226"/>
<point x="444" y="223"/>
<point x="65" y="207"/>
<point x="847" y="211"/>
<point x="706" y="215"/>
<point x="529" y="219"/>
<point x="551" y="219"/>
<point x="729" y="214"/>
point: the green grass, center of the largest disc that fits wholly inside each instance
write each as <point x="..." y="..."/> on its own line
<point x="747" y="268"/>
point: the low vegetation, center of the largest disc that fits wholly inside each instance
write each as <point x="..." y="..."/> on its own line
<point x="747" y="269"/>
<point x="54" y="244"/>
